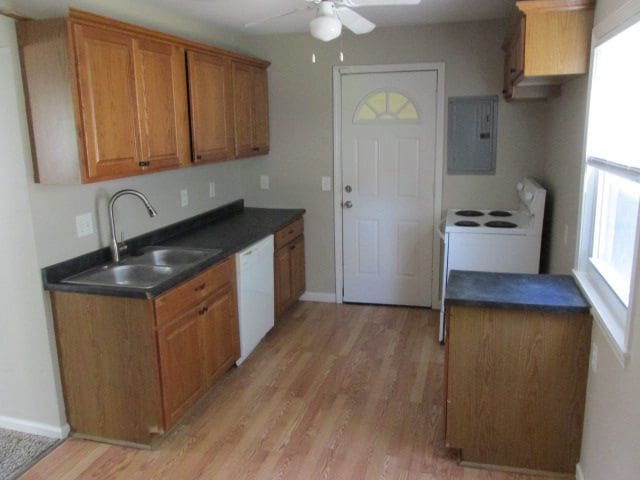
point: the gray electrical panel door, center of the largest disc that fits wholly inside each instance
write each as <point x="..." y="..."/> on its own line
<point x="472" y="132"/>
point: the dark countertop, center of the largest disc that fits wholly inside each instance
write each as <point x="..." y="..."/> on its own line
<point x="230" y="228"/>
<point x="515" y="290"/>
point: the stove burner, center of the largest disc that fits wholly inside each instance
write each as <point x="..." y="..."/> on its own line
<point x="500" y="213"/>
<point x="469" y="213"/>
<point x="467" y="223"/>
<point x="500" y="224"/>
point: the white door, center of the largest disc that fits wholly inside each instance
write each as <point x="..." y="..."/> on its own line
<point x="388" y="171"/>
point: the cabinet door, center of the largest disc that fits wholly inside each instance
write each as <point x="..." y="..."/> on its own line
<point x="162" y="104"/>
<point x="261" y="111"/>
<point x="243" y="93"/>
<point x="180" y="365"/>
<point x="516" y="51"/>
<point x="211" y="102"/>
<point x="219" y="334"/>
<point x="297" y="267"/>
<point x="107" y="102"/>
<point x="283" y="283"/>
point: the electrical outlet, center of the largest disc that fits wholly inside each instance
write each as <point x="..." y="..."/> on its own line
<point x="212" y="189"/>
<point x="184" y="197"/>
<point x="84" y="225"/>
<point x="326" y="184"/>
<point x="264" y="182"/>
<point x="594" y="357"/>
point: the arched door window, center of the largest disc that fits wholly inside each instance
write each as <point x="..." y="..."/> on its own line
<point x="386" y="106"/>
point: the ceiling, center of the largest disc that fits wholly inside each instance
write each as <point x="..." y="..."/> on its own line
<point x="234" y="14"/>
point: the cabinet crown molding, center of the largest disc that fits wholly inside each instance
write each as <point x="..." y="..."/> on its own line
<point x="81" y="16"/>
<point x="544" y="6"/>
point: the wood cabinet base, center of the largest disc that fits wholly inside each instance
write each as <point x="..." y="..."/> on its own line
<point x="516" y="384"/>
<point x="289" y="266"/>
<point x="131" y="368"/>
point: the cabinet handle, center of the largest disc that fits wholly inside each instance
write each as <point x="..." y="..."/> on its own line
<point x="144" y="164"/>
<point x="200" y="287"/>
<point x="504" y="91"/>
<point x="291" y="231"/>
<point x="512" y="70"/>
<point x="203" y="310"/>
<point x="255" y="149"/>
<point x="292" y="247"/>
<point x="198" y="157"/>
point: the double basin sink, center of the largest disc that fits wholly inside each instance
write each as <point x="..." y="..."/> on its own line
<point x="145" y="269"/>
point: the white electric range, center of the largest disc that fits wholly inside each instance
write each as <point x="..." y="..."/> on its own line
<point x="506" y="241"/>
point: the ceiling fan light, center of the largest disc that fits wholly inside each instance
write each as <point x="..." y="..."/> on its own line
<point x="325" y="28"/>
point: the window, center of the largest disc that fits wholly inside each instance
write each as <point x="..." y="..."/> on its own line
<point x="386" y="106"/>
<point x="608" y="248"/>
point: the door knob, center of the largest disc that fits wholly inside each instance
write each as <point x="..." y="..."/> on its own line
<point x="347" y="189"/>
<point x="347" y="204"/>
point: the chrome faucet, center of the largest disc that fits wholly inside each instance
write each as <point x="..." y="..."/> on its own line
<point x="117" y="247"/>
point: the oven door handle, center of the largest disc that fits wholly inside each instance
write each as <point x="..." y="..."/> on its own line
<point x="441" y="228"/>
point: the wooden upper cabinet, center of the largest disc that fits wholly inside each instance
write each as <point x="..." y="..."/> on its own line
<point x="548" y="41"/>
<point x="161" y="87"/>
<point x="211" y="103"/>
<point x="106" y="99"/>
<point x="261" y="112"/>
<point x="251" y="110"/>
<point x="108" y="107"/>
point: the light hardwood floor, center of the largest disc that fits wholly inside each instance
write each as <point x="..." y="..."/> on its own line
<point x="334" y="392"/>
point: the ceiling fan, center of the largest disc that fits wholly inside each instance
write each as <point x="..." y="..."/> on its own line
<point x="333" y="14"/>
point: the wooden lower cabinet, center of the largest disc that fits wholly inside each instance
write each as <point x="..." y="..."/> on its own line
<point x="515" y="387"/>
<point x="180" y="354"/>
<point x="132" y="367"/>
<point x="218" y="324"/>
<point x="289" y="266"/>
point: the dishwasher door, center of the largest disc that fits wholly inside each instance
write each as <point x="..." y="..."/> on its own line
<point x="254" y="267"/>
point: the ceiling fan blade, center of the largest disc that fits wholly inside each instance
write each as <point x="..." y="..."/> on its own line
<point x="354" y="21"/>
<point x="273" y="17"/>
<point x="377" y="3"/>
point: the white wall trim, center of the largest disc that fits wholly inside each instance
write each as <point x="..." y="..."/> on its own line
<point x="318" y="297"/>
<point x="579" y="474"/>
<point x="617" y="20"/>
<point x="35" y="428"/>
<point x="439" y="67"/>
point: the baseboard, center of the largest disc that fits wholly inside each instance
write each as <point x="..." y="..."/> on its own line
<point x="35" y="428"/>
<point x="318" y="297"/>
<point x="579" y="474"/>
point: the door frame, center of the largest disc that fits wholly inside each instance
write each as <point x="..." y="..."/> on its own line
<point x="438" y="67"/>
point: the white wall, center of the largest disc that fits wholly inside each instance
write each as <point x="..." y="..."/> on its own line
<point x="611" y="438"/>
<point x="29" y="384"/>
<point x="300" y="98"/>
<point x="563" y="159"/>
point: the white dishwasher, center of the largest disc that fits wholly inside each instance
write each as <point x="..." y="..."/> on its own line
<point x="254" y="267"/>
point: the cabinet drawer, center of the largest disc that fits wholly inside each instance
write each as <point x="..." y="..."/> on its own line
<point x="288" y="233"/>
<point x="187" y="294"/>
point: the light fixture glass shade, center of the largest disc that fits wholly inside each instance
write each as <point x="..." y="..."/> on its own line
<point x="325" y="28"/>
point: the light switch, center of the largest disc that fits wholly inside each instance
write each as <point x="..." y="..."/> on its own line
<point x="84" y="225"/>
<point x="184" y="197"/>
<point x="212" y="189"/>
<point x="326" y="184"/>
<point x="264" y="182"/>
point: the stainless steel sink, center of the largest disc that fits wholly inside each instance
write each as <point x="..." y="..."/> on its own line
<point x="140" y="276"/>
<point x="170" y="256"/>
<point x="149" y="268"/>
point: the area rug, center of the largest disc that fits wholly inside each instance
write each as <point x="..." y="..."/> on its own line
<point x="19" y="451"/>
